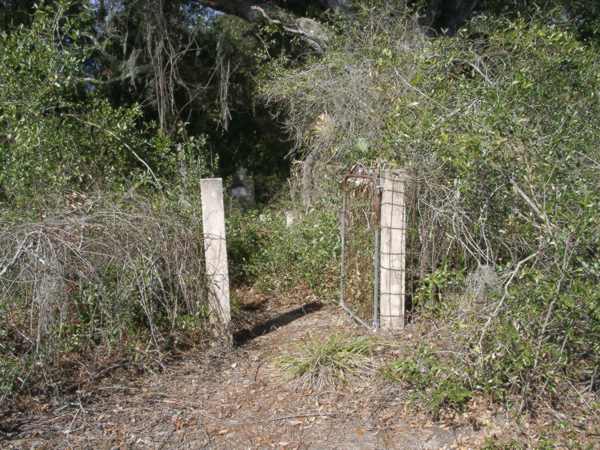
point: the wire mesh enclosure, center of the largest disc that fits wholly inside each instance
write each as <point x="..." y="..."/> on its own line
<point x="360" y="234"/>
<point x="378" y="241"/>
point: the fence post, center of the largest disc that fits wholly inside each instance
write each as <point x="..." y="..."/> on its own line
<point x="215" y="246"/>
<point x="392" y="270"/>
<point x="343" y="252"/>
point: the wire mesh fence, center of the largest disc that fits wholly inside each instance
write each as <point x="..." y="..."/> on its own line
<point x="360" y="237"/>
<point x="379" y="239"/>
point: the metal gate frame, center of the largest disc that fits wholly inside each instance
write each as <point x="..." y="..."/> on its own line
<point x="375" y="180"/>
<point x="365" y="177"/>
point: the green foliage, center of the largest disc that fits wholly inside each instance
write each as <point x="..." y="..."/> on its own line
<point x="436" y="383"/>
<point x="59" y="131"/>
<point x="15" y="13"/>
<point x="581" y="17"/>
<point x="523" y="351"/>
<point x="431" y="286"/>
<point x="320" y="362"/>
<point x="10" y="368"/>
<point x="53" y="133"/>
<point x="500" y="124"/>
<point x="263" y="250"/>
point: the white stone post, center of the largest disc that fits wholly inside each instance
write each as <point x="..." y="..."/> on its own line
<point x="392" y="272"/>
<point x="215" y="247"/>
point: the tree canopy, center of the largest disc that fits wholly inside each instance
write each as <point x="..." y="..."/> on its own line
<point x="191" y="69"/>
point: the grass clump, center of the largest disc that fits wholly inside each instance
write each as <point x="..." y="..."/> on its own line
<point x="319" y="362"/>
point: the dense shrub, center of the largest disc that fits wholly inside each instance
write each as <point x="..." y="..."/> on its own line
<point x="437" y="383"/>
<point x="513" y="120"/>
<point x="98" y="281"/>
<point x="275" y="257"/>
<point x="57" y="129"/>
<point x="500" y="125"/>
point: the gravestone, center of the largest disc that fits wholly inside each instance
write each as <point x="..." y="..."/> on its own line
<point x="242" y="190"/>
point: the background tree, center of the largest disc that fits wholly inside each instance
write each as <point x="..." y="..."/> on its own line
<point x="58" y="131"/>
<point x="15" y="12"/>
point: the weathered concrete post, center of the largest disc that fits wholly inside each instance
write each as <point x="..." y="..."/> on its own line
<point x="215" y="248"/>
<point x="392" y="272"/>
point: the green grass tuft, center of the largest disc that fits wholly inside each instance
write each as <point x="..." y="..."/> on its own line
<point x="320" y="362"/>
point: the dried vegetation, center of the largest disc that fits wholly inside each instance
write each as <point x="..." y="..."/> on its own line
<point x="97" y="285"/>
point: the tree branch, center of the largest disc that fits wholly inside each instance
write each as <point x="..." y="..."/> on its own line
<point x="308" y="29"/>
<point x="246" y="11"/>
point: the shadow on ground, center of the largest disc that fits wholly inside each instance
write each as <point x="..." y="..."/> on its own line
<point x="243" y="336"/>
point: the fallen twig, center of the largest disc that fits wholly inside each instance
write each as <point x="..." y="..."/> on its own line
<point x="298" y="416"/>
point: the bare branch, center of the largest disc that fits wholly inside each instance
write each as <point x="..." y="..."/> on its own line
<point x="15" y="256"/>
<point x="513" y="274"/>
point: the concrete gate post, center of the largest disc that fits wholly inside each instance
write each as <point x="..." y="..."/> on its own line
<point x="215" y="247"/>
<point x="392" y="271"/>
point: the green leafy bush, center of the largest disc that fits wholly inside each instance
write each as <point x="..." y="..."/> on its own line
<point x="263" y="250"/>
<point x="57" y="129"/>
<point x="500" y="125"/>
<point x="436" y="383"/>
<point x="428" y="294"/>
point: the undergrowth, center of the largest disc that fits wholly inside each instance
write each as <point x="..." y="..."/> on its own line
<point x="320" y="362"/>
<point x="500" y="125"/>
<point x="435" y="383"/>
<point x="275" y="257"/>
<point x="94" y="282"/>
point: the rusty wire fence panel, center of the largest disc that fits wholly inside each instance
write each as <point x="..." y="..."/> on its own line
<point x="380" y="243"/>
<point x="360" y="243"/>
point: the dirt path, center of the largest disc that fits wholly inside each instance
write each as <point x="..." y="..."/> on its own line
<point x="242" y="399"/>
